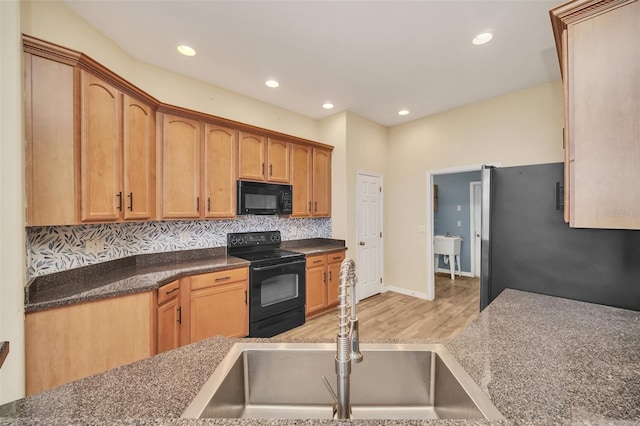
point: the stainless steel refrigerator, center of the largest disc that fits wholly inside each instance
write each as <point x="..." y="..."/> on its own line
<point x="526" y="244"/>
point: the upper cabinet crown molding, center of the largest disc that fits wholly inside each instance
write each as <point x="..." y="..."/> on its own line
<point x="573" y="10"/>
<point x="77" y="59"/>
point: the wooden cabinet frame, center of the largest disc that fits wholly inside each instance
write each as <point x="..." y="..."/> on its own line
<point x="44" y="211"/>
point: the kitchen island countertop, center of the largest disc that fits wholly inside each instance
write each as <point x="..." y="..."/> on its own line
<point x="542" y="360"/>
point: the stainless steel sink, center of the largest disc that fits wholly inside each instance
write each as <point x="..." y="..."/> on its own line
<point x="395" y="381"/>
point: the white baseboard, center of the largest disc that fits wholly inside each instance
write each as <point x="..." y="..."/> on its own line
<point x="404" y="291"/>
<point x="448" y="271"/>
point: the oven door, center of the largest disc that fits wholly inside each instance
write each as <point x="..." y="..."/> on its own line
<point x="276" y="289"/>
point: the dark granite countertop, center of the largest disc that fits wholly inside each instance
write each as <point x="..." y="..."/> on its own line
<point x="137" y="274"/>
<point x="542" y="360"/>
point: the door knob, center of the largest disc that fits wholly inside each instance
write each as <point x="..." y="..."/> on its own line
<point x="361" y="243"/>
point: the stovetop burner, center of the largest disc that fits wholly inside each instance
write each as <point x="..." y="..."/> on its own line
<point x="259" y="247"/>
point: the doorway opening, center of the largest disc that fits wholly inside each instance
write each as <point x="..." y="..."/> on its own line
<point x="453" y="208"/>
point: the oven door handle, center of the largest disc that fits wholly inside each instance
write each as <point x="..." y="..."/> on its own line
<point x="280" y="265"/>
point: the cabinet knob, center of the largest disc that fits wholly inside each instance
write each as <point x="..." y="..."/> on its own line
<point x="361" y="243"/>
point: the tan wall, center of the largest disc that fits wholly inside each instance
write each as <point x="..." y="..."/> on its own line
<point x="333" y="130"/>
<point x="54" y="22"/>
<point x="366" y="151"/>
<point x="12" y="201"/>
<point x="523" y="127"/>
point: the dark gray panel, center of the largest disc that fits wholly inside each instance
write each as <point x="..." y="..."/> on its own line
<point x="533" y="249"/>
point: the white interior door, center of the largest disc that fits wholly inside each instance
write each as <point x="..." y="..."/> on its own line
<point x="475" y="231"/>
<point x="369" y="234"/>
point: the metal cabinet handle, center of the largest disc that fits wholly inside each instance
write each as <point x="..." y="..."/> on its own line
<point x="208" y="204"/>
<point x="270" y="169"/>
<point x="309" y="205"/>
<point x="119" y="200"/>
<point x="171" y="291"/>
<point x="330" y="278"/>
<point x="179" y="314"/>
<point x="324" y="277"/>
<point x="262" y="169"/>
<point x="245" y="297"/>
<point x="223" y="278"/>
<point x="198" y="203"/>
<point x="316" y="206"/>
<point x="130" y="201"/>
<point x="317" y="261"/>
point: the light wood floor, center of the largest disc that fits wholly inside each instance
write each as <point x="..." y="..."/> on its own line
<point x="393" y="315"/>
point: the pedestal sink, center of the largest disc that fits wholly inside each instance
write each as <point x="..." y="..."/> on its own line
<point x="449" y="246"/>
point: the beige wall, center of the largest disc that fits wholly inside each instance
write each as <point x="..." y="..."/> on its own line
<point x="523" y="127"/>
<point x="54" y="22"/>
<point x="12" y="253"/>
<point x="333" y="130"/>
<point x="366" y="151"/>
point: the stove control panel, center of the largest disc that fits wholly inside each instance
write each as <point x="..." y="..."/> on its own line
<point x="247" y="239"/>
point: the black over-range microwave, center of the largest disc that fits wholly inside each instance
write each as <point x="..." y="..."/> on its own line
<point x="263" y="198"/>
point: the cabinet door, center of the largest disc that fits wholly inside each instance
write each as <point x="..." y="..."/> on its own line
<point x="138" y="159"/>
<point x="180" y="168"/>
<point x="316" y="278"/>
<point x="72" y="342"/>
<point x="333" y="269"/>
<point x="220" y="148"/>
<point x="219" y="309"/>
<point x="604" y="112"/>
<point x="251" y="162"/>
<point x="301" y="169"/>
<point x="278" y="160"/>
<point x="49" y="134"/>
<point x="169" y="319"/>
<point x="321" y="182"/>
<point x="100" y="164"/>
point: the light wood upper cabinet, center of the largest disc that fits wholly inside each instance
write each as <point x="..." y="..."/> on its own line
<point x="180" y="167"/>
<point x="50" y="142"/>
<point x="321" y="182"/>
<point x="278" y="161"/>
<point x="311" y="180"/>
<point x="263" y="159"/>
<point x="100" y="150"/>
<point x="301" y="172"/>
<point x="251" y="156"/>
<point x="138" y="159"/>
<point x="599" y="49"/>
<point x="220" y="153"/>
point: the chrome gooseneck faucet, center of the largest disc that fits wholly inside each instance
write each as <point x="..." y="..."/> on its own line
<point x="348" y="342"/>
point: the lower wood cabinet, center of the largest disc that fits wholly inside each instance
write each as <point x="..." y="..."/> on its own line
<point x="200" y="306"/>
<point x="323" y="279"/>
<point x="69" y="343"/>
<point x="169" y="317"/>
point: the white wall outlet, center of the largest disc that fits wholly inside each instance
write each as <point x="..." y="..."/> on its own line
<point x="93" y="246"/>
<point x="459" y="208"/>
<point x="459" y="224"/>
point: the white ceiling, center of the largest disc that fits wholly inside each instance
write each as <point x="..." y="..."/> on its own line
<point x="368" y="57"/>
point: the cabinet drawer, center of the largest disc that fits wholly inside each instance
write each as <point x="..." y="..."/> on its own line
<point x="318" y="260"/>
<point x="168" y="291"/>
<point x="336" y="257"/>
<point x="219" y="278"/>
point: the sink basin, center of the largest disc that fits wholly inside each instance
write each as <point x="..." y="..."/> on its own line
<point x="394" y="381"/>
<point x="446" y="245"/>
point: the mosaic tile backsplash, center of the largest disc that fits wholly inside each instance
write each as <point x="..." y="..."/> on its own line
<point x="58" y="248"/>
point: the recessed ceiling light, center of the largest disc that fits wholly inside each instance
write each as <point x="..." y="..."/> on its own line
<point x="403" y="112"/>
<point x="186" y="50"/>
<point x="272" y="83"/>
<point x="482" y="38"/>
<point x="327" y="105"/>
